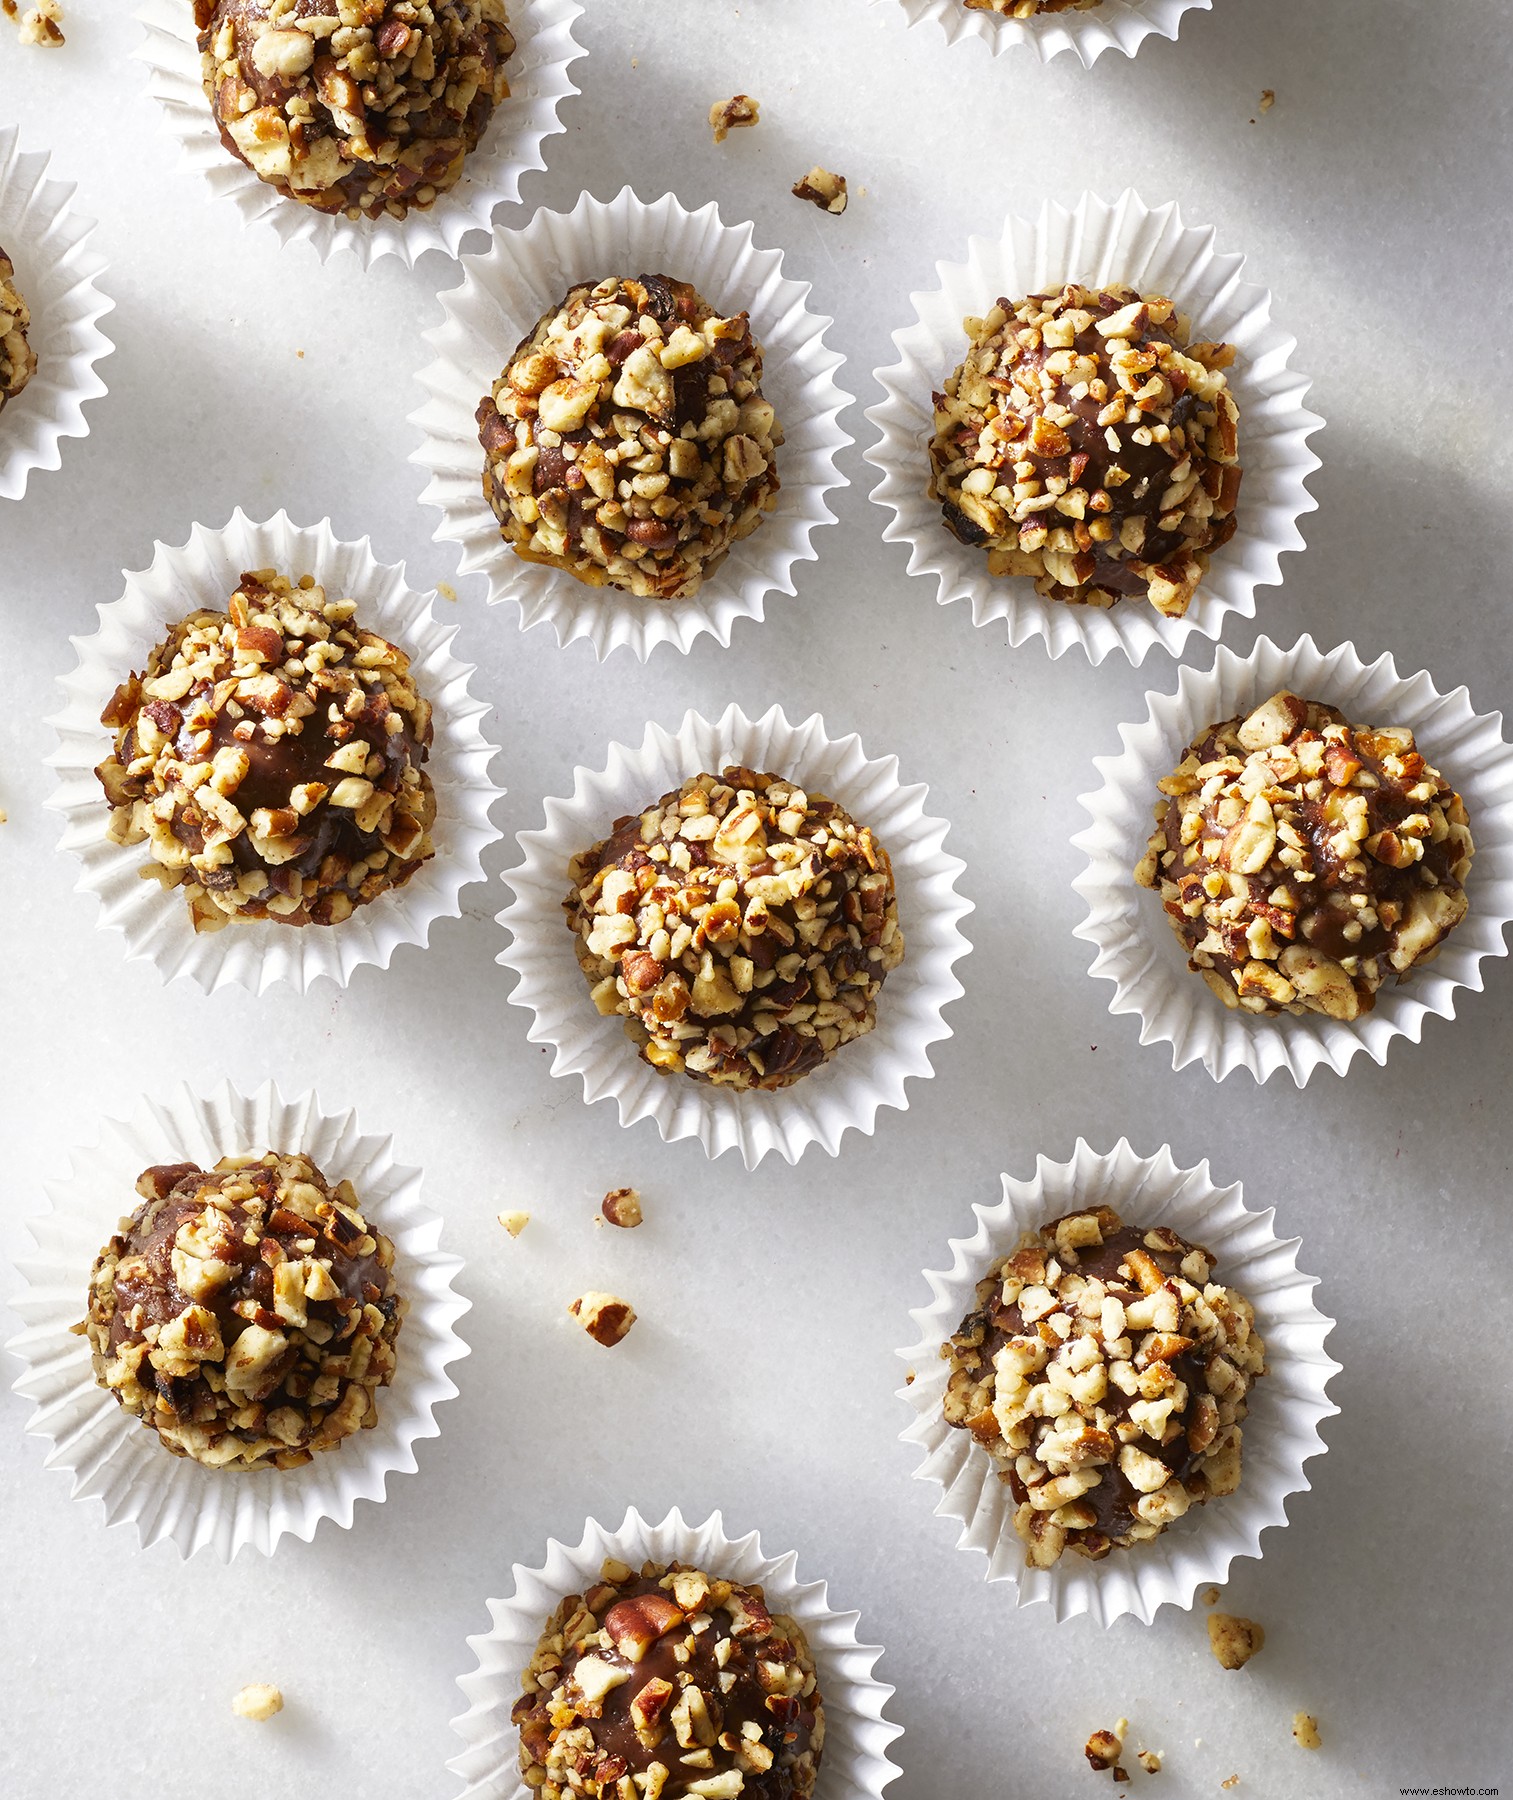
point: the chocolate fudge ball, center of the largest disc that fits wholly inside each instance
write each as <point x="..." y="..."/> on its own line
<point x="743" y="928"/>
<point x="247" y="1314"/>
<point x="270" y="758"/>
<point x="18" y="361"/>
<point x="627" y="440"/>
<point x="1105" y="1372"/>
<point x="354" y="106"/>
<point x="1085" y="442"/>
<point x="1303" y="860"/>
<point x="668" y="1683"/>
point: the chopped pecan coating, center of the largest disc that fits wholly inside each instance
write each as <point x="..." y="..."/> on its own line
<point x="271" y="759"/>
<point x="1105" y="1373"/>
<point x="247" y="1314"/>
<point x="1083" y="441"/>
<point x="743" y="927"/>
<point x="627" y="440"/>
<point x="668" y="1683"/>
<point x="1303" y="860"/>
<point x="362" y="107"/>
<point x="18" y="361"/>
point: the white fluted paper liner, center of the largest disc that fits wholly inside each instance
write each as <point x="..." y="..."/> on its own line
<point x="1136" y="948"/>
<point x="1281" y="1430"/>
<point x="1122" y="25"/>
<point x="854" y="1765"/>
<point x="847" y="1092"/>
<point x="56" y="274"/>
<point x="527" y="272"/>
<point x="109" y="1455"/>
<point x="511" y="146"/>
<point x="256" y="953"/>
<point x="1096" y="242"/>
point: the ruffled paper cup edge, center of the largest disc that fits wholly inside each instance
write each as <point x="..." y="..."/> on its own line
<point x="512" y="146"/>
<point x="258" y="954"/>
<point x="1288" y="1404"/>
<point x="855" y="1764"/>
<point x="110" y="1457"/>
<point x="1134" y="946"/>
<point x="507" y="288"/>
<point x="849" y="1091"/>
<point x="1119" y="25"/>
<point x="1098" y="240"/>
<point x="57" y="275"/>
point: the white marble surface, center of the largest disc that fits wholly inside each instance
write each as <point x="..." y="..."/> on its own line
<point x="1372" y="200"/>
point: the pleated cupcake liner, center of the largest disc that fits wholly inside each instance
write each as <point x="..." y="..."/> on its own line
<point x="1119" y="25"/>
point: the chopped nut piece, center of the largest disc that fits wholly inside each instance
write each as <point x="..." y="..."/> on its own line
<point x="1150" y="1761"/>
<point x="1233" y="1640"/>
<point x="742" y="927"/>
<point x="1268" y="99"/>
<point x="1305" y="1728"/>
<point x="18" y="361"/>
<point x="1303" y="861"/>
<point x="259" y="1700"/>
<point x="1107" y="1382"/>
<point x="1210" y="1596"/>
<point x="605" y="1317"/>
<point x="622" y="1207"/>
<point x="514" y="1222"/>
<point x="43" y="24"/>
<point x="1232" y="1782"/>
<point x="1103" y="1749"/>
<point x="729" y="115"/>
<point x="822" y="189"/>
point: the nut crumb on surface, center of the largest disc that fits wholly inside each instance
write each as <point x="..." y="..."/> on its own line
<point x="1150" y="1761"/>
<point x="43" y="24"/>
<point x="1210" y="1596"/>
<point x="1305" y="1728"/>
<point x="514" y="1222"/>
<point x="1268" y="99"/>
<point x="1102" y="1750"/>
<point x="1234" y="1641"/>
<point x="622" y="1207"/>
<point x="822" y="189"/>
<point x="259" y="1700"/>
<point x="1233" y="1782"/>
<point x="605" y="1317"/>
<point x="730" y="115"/>
<point x="446" y="590"/>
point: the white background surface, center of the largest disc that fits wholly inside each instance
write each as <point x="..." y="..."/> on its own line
<point x="1373" y="201"/>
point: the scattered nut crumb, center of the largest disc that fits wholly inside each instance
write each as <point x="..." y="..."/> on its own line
<point x="1234" y="1641"/>
<point x="1210" y="1596"/>
<point x="910" y="1377"/>
<point x="1103" y="1750"/>
<point x="827" y="191"/>
<point x="446" y="590"/>
<point x="1233" y="1782"/>
<point x="11" y="10"/>
<point x="605" y="1317"/>
<point x="259" y="1700"/>
<point x="1305" y="1728"/>
<point x="1150" y="1761"/>
<point x="622" y="1207"/>
<point x="514" y="1222"/>
<point x="43" y="24"/>
<point x="730" y="115"/>
<point x="1268" y="99"/>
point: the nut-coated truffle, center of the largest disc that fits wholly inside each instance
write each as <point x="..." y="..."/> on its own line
<point x="354" y="106"/>
<point x="1303" y="860"/>
<point x="1085" y="442"/>
<point x="742" y="927"/>
<point x="667" y="1683"/>
<point x="18" y="361"/>
<point x="1027" y="9"/>
<point x="1105" y="1372"/>
<point x="271" y="759"/>
<point x="248" y="1313"/>
<point x="627" y="440"/>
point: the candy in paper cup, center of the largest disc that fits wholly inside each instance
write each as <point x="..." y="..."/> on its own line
<point x="256" y="953"/>
<point x="1134" y="944"/>
<point x="854" y="1764"/>
<point x="1097" y="242"/>
<point x="109" y="1454"/>
<point x="1122" y="25"/>
<point x="864" y="1075"/>
<point x="525" y="274"/>
<point x="1286" y="1405"/>
<point x="56" y="274"/>
<point x="540" y="80"/>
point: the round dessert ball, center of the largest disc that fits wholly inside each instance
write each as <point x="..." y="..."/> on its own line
<point x="627" y="440"/>
<point x="354" y="106"/>
<point x="271" y="759"/>
<point x="1085" y="442"/>
<point x="742" y="927"/>
<point x="247" y="1313"/>
<point x="1027" y="9"/>
<point x="18" y="361"/>
<point x="670" y="1682"/>
<point x="1303" y="860"/>
<point x="1105" y="1373"/>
